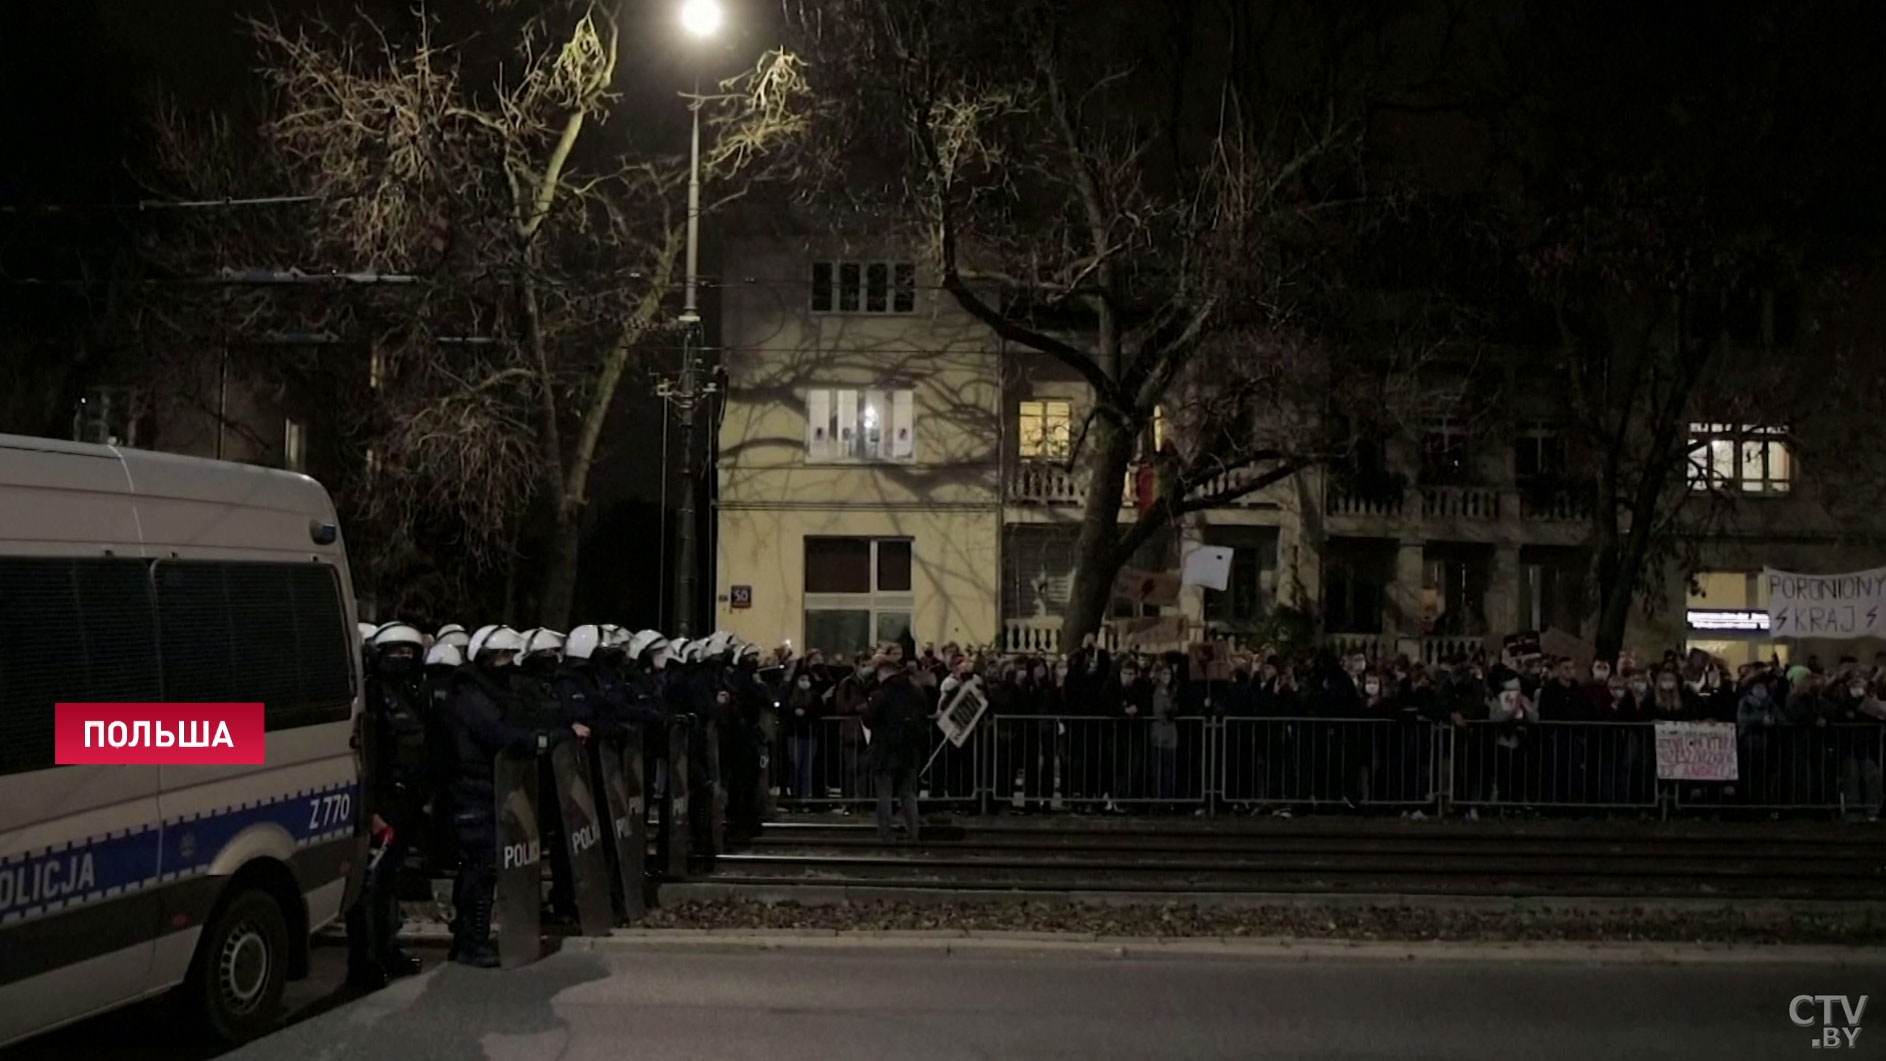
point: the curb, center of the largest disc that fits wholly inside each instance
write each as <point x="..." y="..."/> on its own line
<point x="844" y="894"/>
<point x="949" y="942"/>
<point x="1275" y="949"/>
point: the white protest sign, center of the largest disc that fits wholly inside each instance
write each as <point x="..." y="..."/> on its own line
<point x="1831" y="606"/>
<point x="958" y="720"/>
<point x="1208" y="566"/>
<point x="1696" y="751"/>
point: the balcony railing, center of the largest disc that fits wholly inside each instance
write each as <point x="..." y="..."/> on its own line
<point x="1561" y="505"/>
<point x="1460" y="502"/>
<point x="1047" y="483"/>
<point x="1340" y="502"/>
<point x="1040" y="635"/>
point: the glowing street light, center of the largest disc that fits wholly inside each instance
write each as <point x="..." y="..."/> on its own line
<point x="701" y="18"/>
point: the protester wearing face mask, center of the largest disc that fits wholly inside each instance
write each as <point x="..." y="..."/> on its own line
<point x="1670" y="701"/>
<point x="805" y="706"/>
<point x="1514" y="711"/>
<point x="1860" y="713"/>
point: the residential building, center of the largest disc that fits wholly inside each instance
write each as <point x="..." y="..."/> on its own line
<point x="887" y="465"/>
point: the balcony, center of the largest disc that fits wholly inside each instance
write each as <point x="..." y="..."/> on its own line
<point x="1474" y="503"/>
<point x="1040" y="635"/>
<point x="1047" y="483"/>
<point x="1554" y="504"/>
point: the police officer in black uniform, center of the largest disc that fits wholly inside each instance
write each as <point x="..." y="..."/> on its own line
<point x="743" y="744"/>
<point x="443" y="660"/>
<point x="535" y="683"/>
<point x="395" y="772"/>
<point x="485" y="721"/>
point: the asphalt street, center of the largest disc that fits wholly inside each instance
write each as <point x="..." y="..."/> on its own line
<point x="888" y="1003"/>
<point x="154" y="1031"/>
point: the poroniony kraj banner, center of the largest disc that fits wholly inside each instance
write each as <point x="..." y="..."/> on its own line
<point x="1829" y="606"/>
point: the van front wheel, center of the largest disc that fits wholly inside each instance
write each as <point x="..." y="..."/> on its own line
<point x="241" y="968"/>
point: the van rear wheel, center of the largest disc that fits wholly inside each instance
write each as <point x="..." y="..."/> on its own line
<point x="241" y="968"/>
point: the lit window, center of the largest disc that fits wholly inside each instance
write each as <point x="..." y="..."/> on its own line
<point x="864" y="287"/>
<point x="846" y="425"/>
<point x="1741" y="458"/>
<point x="1045" y="429"/>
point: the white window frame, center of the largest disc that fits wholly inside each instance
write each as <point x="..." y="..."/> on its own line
<point x="861" y="290"/>
<point x="1750" y="459"/>
<point x="860" y="425"/>
<point x="1044" y="429"/>
<point x="877" y="602"/>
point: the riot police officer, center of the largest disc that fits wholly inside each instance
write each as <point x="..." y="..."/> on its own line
<point x="443" y="660"/>
<point x="395" y="770"/>
<point x="486" y="721"/>
<point x="535" y="682"/>
<point x="742" y="743"/>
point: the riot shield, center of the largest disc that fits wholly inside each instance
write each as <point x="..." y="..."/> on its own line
<point x="520" y="892"/>
<point x="674" y="803"/>
<point x="619" y="776"/>
<point x="714" y="830"/>
<point x="583" y="836"/>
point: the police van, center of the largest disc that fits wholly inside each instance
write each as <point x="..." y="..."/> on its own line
<point x="136" y="577"/>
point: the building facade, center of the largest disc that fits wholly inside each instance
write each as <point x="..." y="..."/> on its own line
<point x="887" y="466"/>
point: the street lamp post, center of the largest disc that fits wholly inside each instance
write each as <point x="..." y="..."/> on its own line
<point x="701" y="19"/>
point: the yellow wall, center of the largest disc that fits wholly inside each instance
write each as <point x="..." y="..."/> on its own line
<point x="947" y="499"/>
<point x="954" y="572"/>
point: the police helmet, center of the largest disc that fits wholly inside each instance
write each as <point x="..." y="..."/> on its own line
<point x="643" y="642"/>
<point x="396" y="633"/>
<point x="452" y="634"/>
<point x="541" y="641"/>
<point x="745" y="650"/>
<point x="494" y="638"/>
<point x="444" y="654"/>
<point x="583" y="642"/>
<point x="714" y="645"/>
<point x="367" y="631"/>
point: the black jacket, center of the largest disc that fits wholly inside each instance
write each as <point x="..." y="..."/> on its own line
<point x="899" y="725"/>
<point x="484" y="723"/>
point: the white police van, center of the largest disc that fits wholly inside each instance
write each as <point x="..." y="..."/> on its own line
<point x="131" y="577"/>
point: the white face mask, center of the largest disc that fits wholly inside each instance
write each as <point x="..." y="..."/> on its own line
<point x="1858" y="692"/>
<point x="1667" y="684"/>
<point x="805" y="683"/>
<point x="1372" y="687"/>
<point x="1601" y="673"/>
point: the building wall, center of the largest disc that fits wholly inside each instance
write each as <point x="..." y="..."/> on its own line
<point x="954" y="576"/>
<point x="945" y="499"/>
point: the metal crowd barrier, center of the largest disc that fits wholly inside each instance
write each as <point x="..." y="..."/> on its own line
<point x="1286" y="762"/>
<point x="1093" y="762"/>
<point x="1553" y="764"/>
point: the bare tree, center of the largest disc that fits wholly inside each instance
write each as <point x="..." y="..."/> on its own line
<point x="522" y="262"/>
<point x="1138" y="196"/>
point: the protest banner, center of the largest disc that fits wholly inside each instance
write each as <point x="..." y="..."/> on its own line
<point x="1696" y="751"/>
<point x="1837" y="607"/>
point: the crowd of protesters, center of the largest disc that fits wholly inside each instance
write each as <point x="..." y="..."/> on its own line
<point x="1122" y="730"/>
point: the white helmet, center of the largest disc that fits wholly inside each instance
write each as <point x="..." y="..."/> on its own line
<point x="583" y="642"/>
<point x="644" y="641"/>
<point x="452" y="634"/>
<point x="745" y="650"/>
<point x="396" y="633"/>
<point x="541" y="641"/>
<point x="444" y="654"/>
<point x="614" y="636"/>
<point x="367" y="631"/>
<point x="715" y="645"/>
<point x="682" y="651"/>
<point x="494" y="638"/>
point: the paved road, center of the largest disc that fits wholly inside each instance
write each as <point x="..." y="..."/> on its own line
<point x="154" y="1031"/>
<point x="780" y="1005"/>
